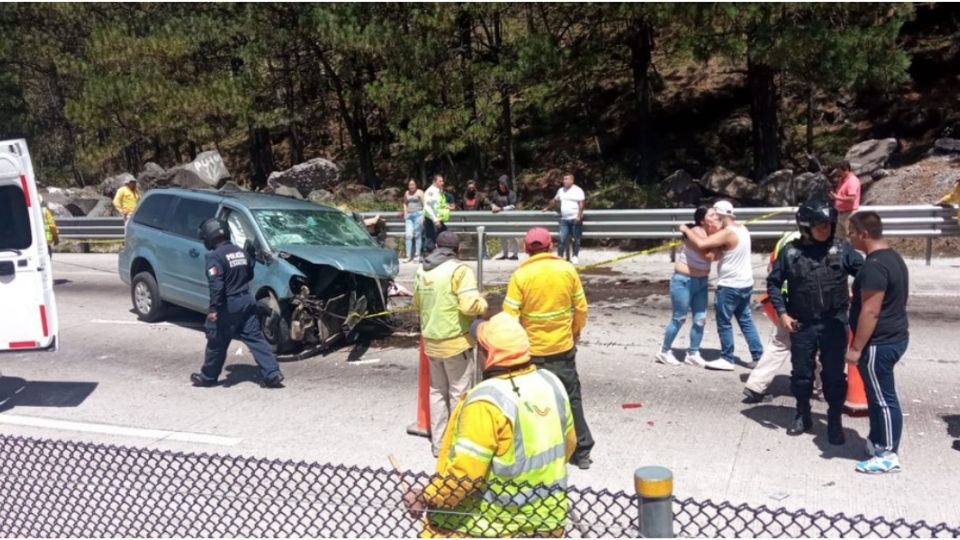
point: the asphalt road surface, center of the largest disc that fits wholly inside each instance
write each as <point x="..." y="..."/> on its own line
<point x="121" y="381"/>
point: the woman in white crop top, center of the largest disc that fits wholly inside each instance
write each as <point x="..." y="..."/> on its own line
<point x="688" y="289"/>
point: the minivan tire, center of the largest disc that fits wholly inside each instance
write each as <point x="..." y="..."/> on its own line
<point x="145" y="296"/>
<point x="275" y="325"/>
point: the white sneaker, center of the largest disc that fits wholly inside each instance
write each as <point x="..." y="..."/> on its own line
<point x="575" y="260"/>
<point x="694" y="360"/>
<point x="719" y="365"/>
<point x="667" y="358"/>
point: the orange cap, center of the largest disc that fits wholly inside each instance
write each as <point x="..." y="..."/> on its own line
<point x="505" y="341"/>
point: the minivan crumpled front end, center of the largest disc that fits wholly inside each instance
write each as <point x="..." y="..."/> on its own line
<point x="343" y="290"/>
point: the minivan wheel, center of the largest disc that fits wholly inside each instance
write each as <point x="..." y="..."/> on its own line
<point x="146" y="297"/>
<point x="275" y="326"/>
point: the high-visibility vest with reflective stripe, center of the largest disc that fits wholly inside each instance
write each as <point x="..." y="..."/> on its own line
<point x="49" y="225"/>
<point x="525" y="491"/>
<point x="440" y="316"/>
<point x="784" y="240"/>
<point x="443" y="210"/>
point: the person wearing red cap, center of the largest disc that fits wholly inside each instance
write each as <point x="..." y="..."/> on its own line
<point x="502" y="465"/>
<point x="546" y="294"/>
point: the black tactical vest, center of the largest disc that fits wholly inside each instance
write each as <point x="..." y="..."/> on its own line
<point x="818" y="281"/>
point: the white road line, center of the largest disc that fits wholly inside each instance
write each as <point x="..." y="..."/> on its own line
<point x="141" y="323"/>
<point x="123" y="431"/>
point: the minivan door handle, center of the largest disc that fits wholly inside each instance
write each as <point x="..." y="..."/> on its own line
<point x="194" y="253"/>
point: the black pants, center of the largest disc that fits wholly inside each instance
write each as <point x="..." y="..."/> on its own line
<point x="564" y="366"/>
<point x="430" y="233"/>
<point x="828" y="337"/>
<point x="237" y="321"/>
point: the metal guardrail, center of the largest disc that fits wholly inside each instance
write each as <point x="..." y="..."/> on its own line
<point x="924" y="221"/>
<point x="655" y="224"/>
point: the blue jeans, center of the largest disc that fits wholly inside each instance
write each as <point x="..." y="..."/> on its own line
<point x="413" y="231"/>
<point x="735" y="304"/>
<point x="686" y="294"/>
<point x="886" y="418"/>
<point x="571" y="230"/>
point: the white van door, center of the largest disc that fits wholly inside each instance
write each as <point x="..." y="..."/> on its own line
<point x="28" y="312"/>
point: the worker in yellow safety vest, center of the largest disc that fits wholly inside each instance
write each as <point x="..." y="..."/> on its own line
<point x="50" y="228"/>
<point x="545" y="292"/>
<point x="445" y="295"/>
<point x="502" y="468"/>
<point x="126" y="199"/>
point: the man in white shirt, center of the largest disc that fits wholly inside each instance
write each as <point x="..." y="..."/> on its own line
<point x="572" y="201"/>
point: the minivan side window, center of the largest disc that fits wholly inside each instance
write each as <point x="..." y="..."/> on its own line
<point x="152" y="211"/>
<point x="188" y="216"/>
<point x="14" y="219"/>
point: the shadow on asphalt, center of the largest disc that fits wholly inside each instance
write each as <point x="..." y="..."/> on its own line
<point x="239" y="374"/>
<point x="779" y="417"/>
<point x="18" y="392"/>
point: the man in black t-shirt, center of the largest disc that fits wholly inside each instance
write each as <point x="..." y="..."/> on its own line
<point x="878" y="318"/>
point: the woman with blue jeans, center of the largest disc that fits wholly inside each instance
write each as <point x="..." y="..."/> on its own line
<point x="688" y="291"/>
<point x="413" y="220"/>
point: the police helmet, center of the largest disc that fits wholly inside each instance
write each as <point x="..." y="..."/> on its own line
<point x="813" y="212"/>
<point x="213" y="231"/>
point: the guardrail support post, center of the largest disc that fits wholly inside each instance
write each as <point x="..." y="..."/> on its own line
<point x="481" y="241"/>
<point x="929" y="249"/>
<point x="654" y="487"/>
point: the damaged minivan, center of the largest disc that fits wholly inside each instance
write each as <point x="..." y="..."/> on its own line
<point x="319" y="276"/>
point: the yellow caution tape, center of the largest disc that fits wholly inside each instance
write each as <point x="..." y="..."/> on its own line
<point x="662" y="247"/>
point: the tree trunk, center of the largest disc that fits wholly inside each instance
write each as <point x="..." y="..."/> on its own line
<point x="261" y="156"/>
<point x="465" y="29"/>
<point x="761" y="79"/>
<point x="641" y="43"/>
<point x="810" y="90"/>
<point x="506" y="108"/>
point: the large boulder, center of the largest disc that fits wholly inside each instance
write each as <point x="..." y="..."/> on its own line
<point x="728" y="184"/>
<point x="55" y="195"/>
<point x="317" y="173"/>
<point x="809" y="184"/>
<point x="350" y="191"/>
<point x="90" y="207"/>
<point x="287" y="191"/>
<point x="150" y="176"/>
<point x="946" y="145"/>
<point x="868" y="156"/>
<point x="210" y="168"/>
<point x="320" y="196"/>
<point x="184" y="176"/>
<point x="110" y="185"/>
<point x="681" y="190"/>
<point x="391" y="194"/>
<point x="58" y="210"/>
<point x="779" y="188"/>
<point x="231" y="186"/>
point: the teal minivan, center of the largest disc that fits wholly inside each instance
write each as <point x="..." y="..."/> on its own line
<point x="317" y="277"/>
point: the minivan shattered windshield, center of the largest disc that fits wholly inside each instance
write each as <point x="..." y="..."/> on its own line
<point x="311" y="227"/>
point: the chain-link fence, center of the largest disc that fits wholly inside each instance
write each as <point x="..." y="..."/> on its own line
<point x="57" y="488"/>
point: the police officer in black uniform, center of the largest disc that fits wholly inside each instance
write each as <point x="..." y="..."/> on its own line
<point x="232" y="310"/>
<point x="815" y="311"/>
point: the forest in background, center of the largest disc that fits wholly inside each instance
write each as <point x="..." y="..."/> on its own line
<point x="615" y="92"/>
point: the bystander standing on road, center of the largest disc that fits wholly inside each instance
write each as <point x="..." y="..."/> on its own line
<point x="572" y="201"/>
<point x="50" y="228"/>
<point x="846" y="197"/>
<point x="881" y="333"/>
<point x="688" y="290"/>
<point x="412" y="212"/>
<point x="446" y="297"/>
<point x="546" y="294"/>
<point x="734" y="285"/>
<point x="504" y="199"/>
<point x="436" y="212"/>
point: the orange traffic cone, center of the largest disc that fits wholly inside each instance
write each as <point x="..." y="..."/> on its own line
<point x="768" y="308"/>
<point x="856" y="402"/>
<point x="421" y="427"/>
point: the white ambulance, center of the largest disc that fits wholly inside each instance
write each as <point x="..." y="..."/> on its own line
<point x="28" y="313"/>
